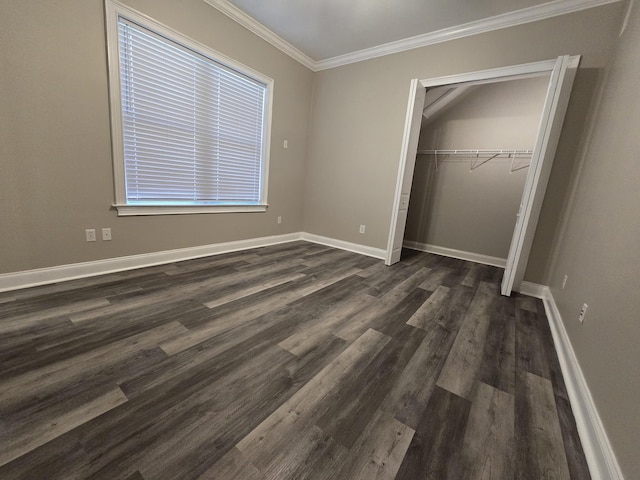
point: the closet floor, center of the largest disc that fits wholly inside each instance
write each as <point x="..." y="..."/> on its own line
<point x="293" y="361"/>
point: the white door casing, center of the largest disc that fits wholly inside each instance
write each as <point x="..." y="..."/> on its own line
<point x="544" y="150"/>
<point x="562" y="72"/>
<point x="413" y="120"/>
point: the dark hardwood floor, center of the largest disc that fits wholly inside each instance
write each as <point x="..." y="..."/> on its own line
<point x="295" y="361"/>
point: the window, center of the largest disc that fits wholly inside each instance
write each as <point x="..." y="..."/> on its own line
<point x="190" y="127"/>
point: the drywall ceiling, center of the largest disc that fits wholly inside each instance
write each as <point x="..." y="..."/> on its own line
<point x="322" y="30"/>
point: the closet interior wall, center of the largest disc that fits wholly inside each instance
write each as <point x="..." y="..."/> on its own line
<point x="474" y="210"/>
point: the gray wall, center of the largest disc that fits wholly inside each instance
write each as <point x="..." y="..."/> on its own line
<point x="56" y="178"/>
<point x="474" y="211"/>
<point x="597" y="246"/>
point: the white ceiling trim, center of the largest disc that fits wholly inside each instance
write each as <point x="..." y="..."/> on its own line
<point x="263" y="32"/>
<point x="518" y="17"/>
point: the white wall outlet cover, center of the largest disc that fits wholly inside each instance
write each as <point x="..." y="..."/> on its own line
<point x="90" y="234"/>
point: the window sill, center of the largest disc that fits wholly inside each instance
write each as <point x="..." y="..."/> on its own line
<point x="135" y="210"/>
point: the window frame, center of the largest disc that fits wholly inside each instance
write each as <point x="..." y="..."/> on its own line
<point x="114" y="10"/>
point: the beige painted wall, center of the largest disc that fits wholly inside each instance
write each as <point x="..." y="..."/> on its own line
<point x="56" y="170"/>
<point x="358" y="116"/>
<point x="475" y="211"/>
<point x="597" y="247"/>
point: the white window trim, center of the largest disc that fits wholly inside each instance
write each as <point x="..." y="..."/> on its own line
<point x="113" y="10"/>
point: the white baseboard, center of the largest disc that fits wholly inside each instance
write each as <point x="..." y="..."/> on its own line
<point x="41" y="276"/>
<point x="533" y="289"/>
<point x="601" y="459"/>
<point x="343" y="245"/>
<point x="61" y="273"/>
<point x="461" y="254"/>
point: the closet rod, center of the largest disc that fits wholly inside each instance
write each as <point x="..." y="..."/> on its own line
<point x="476" y="152"/>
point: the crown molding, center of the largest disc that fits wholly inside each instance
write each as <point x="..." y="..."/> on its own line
<point x="519" y="17"/>
<point x="263" y="32"/>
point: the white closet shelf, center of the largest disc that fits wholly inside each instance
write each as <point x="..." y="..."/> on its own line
<point x="485" y="154"/>
<point x="477" y="152"/>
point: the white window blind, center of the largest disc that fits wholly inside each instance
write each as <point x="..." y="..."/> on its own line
<point x="193" y="129"/>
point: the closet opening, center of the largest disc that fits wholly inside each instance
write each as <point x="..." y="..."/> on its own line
<point x="476" y="157"/>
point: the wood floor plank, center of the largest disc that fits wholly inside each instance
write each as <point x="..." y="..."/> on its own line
<point x="53" y="461"/>
<point x="232" y="465"/>
<point x="471" y="279"/>
<point x="250" y="279"/>
<point x="377" y="268"/>
<point x="189" y="425"/>
<point x="191" y="285"/>
<point x="379" y="308"/>
<point x="135" y="476"/>
<point x="498" y="364"/>
<point x="454" y="308"/>
<point x="436" y="279"/>
<point x="526" y="303"/>
<point x="393" y="279"/>
<point x="379" y="451"/>
<point x="293" y="461"/>
<point x="245" y="339"/>
<point x="488" y="449"/>
<point x="540" y="450"/>
<point x="42" y="404"/>
<point x="345" y="419"/>
<point x="530" y="351"/>
<point x="323" y="463"/>
<point x="29" y="320"/>
<point x="307" y="338"/>
<point x="415" y="279"/>
<point x="238" y="312"/>
<point x="302" y="407"/>
<point x="326" y="257"/>
<point x="58" y="374"/>
<point x="25" y="440"/>
<point x="408" y="398"/>
<point x="245" y="292"/>
<point x="236" y="260"/>
<point x="423" y="318"/>
<point x="394" y="323"/>
<point x="463" y="363"/>
<point x="433" y="451"/>
<point x="6" y="298"/>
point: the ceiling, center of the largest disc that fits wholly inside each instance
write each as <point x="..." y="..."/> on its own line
<point x="324" y="31"/>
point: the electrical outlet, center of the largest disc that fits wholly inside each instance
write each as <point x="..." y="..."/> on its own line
<point x="583" y="312"/>
<point x="362" y="228"/>
<point x="564" y="281"/>
<point x="279" y="219"/>
<point x="90" y="234"/>
<point x="106" y="234"/>
<point x="285" y="144"/>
